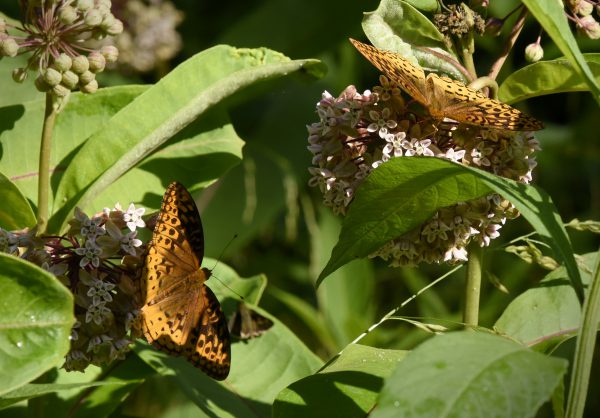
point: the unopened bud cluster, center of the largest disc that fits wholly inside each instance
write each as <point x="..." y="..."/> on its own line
<point x="55" y="33"/>
<point x="357" y="132"/>
<point x="458" y="20"/>
<point x="98" y="260"/>
<point x="582" y="13"/>
<point x="150" y="37"/>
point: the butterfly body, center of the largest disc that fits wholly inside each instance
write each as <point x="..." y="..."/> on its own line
<point x="180" y="314"/>
<point x="447" y="98"/>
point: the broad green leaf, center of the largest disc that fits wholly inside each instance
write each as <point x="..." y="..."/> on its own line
<point x="21" y="127"/>
<point x="120" y="382"/>
<point x="274" y="360"/>
<point x="547" y="314"/>
<point x="15" y="212"/>
<point x="148" y="122"/>
<point x="547" y="77"/>
<point x="308" y="316"/>
<point x="397" y="26"/>
<point x="408" y="191"/>
<point x="13" y="93"/>
<point x="425" y="5"/>
<point x="36" y="315"/>
<point x="346" y="299"/>
<point x="469" y="374"/>
<point x="34" y="390"/>
<point x="397" y="197"/>
<point x="551" y="15"/>
<point x="347" y="387"/>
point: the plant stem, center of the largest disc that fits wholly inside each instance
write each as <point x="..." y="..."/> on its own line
<point x="510" y="42"/>
<point x="584" y="350"/>
<point x="473" y="286"/>
<point x="44" y="166"/>
<point x="483" y="82"/>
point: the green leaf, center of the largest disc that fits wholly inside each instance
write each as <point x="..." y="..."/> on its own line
<point x="408" y="191"/>
<point x="274" y="360"/>
<point x="36" y="315"/>
<point x="547" y="314"/>
<point x="21" y="126"/>
<point x="147" y="123"/>
<point x="547" y="77"/>
<point x="122" y="380"/>
<point x="466" y="374"/>
<point x="15" y="213"/>
<point x="394" y="199"/>
<point x="398" y="26"/>
<point x="551" y="15"/>
<point x="346" y="299"/>
<point x="543" y="315"/>
<point x="33" y="390"/>
<point x="347" y="387"/>
<point x="13" y="93"/>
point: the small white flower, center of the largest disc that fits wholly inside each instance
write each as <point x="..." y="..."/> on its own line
<point x="133" y="217"/>
<point x="456" y="254"/>
<point x="453" y="155"/>
<point x="129" y="242"/>
<point x="90" y="253"/>
<point x="416" y="147"/>
<point x="97" y="312"/>
<point x="381" y="123"/>
<point x="394" y="144"/>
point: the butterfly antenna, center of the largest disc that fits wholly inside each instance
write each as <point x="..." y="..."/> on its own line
<point x="217" y="262"/>
<point x="223" y="251"/>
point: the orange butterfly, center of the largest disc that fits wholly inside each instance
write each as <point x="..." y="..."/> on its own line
<point x="447" y="98"/>
<point x="181" y="315"/>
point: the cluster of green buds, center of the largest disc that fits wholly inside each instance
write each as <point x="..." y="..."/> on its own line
<point x="581" y="12"/>
<point x="98" y="259"/>
<point x="150" y="38"/>
<point x="357" y="132"/>
<point x="58" y="34"/>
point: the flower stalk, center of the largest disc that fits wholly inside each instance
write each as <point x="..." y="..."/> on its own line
<point x="44" y="163"/>
<point x="473" y="286"/>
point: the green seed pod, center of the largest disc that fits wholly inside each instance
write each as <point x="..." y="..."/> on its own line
<point x="97" y="62"/>
<point x="92" y="17"/>
<point x="90" y="87"/>
<point x="69" y="80"/>
<point x="86" y="78"/>
<point x="67" y="15"/>
<point x="110" y="52"/>
<point x="19" y="74"/>
<point x="63" y="62"/>
<point x="80" y="64"/>
<point x="8" y="47"/>
<point x="52" y="77"/>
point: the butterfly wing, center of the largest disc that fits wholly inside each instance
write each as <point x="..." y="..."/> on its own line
<point x="179" y="311"/>
<point x="451" y="98"/>
<point x="246" y="323"/>
<point x="409" y="77"/>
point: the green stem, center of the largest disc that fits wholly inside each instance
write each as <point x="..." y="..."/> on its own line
<point x="473" y="286"/>
<point x="488" y="82"/>
<point x="514" y="34"/>
<point x="584" y="349"/>
<point x="44" y="166"/>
